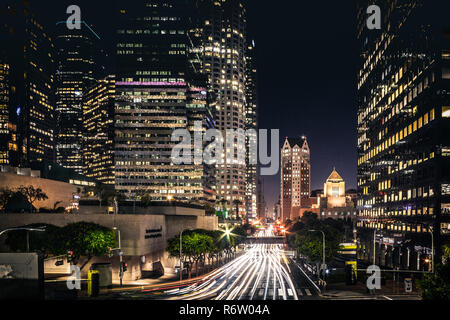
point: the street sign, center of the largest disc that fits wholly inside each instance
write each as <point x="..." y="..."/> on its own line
<point x="408" y="285"/>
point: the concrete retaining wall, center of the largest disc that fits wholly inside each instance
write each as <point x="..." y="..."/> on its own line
<point x="141" y="235"/>
<point x="55" y="190"/>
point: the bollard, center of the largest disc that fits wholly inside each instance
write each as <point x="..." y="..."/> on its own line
<point x="93" y="283"/>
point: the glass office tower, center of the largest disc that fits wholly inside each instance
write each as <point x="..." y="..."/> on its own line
<point x="403" y="132"/>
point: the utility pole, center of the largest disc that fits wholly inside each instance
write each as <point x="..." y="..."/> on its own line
<point x="28" y="241"/>
<point x="374" y="247"/>
<point x="120" y="256"/>
<point x="432" y="250"/>
<point x="181" y="252"/>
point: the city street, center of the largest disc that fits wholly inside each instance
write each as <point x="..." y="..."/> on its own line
<point x="262" y="273"/>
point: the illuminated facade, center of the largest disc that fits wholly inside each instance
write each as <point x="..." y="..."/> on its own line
<point x="223" y="50"/>
<point x="98" y="120"/>
<point x="77" y="69"/>
<point x="28" y="51"/>
<point x="334" y="190"/>
<point x="5" y="132"/>
<point x="157" y="91"/>
<point x="403" y="122"/>
<point x="251" y="123"/>
<point x="334" y="203"/>
<point x="295" y="177"/>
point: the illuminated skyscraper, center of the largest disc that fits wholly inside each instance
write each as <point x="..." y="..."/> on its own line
<point x="98" y="132"/>
<point x="28" y="52"/>
<point x="251" y="123"/>
<point x="157" y="91"/>
<point x="403" y="126"/>
<point x="78" y="68"/>
<point x="295" y="176"/>
<point x="224" y="49"/>
<point x="5" y="130"/>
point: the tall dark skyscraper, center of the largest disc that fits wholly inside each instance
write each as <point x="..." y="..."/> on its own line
<point x="79" y="65"/>
<point x="27" y="52"/>
<point x="157" y="91"/>
<point x="6" y="134"/>
<point x="403" y="125"/>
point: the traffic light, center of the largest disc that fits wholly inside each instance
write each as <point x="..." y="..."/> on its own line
<point x="124" y="266"/>
<point x="70" y="256"/>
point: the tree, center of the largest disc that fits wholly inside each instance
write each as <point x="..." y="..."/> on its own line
<point x="310" y="244"/>
<point x="195" y="245"/>
<point x="446" y="251"/>
<point x="436" y="286"/>
<point x="50" y="242"/>
<point x="223" y="203"/>
<point x="88" y="240"/>
<point x="210" y="210"/>
<point x="32" y="194"/>
<point x="104" y="193"/>
<point x="56" y="208"/>
<point x="83" y="238"/>
<point x="5" y="196"/>
<point x="309" y="219"/>
<point x="236" y="204"/>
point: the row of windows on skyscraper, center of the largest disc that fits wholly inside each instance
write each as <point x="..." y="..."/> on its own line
<point x="403" y="128"/>
<point x="177" y="62"/>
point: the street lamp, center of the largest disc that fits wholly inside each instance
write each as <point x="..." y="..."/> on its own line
<point x="432" y="249"/>
<point x="42" y="229"/>
<point x="23" y="228"/>
<point x="120" y="255"/>
<point x="374" y="245"/>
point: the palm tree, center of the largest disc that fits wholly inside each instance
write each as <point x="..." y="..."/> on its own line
<point x="223" y="202"/>
<point x="236" y="204"/>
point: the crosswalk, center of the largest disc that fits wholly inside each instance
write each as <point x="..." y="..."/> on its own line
<point x="304" y="292"/>
<point x="279" y="293"/>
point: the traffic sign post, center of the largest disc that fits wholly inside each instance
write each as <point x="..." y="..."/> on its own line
<point x="408" y="285"/>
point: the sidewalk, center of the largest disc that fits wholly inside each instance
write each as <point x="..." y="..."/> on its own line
<point x="360" y="291"/>
<point x="167" y="278"/>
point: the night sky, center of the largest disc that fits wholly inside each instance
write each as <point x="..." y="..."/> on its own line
<point x="307" y="55"/>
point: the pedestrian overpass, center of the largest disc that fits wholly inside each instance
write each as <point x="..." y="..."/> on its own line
<point x="265" y="240"/>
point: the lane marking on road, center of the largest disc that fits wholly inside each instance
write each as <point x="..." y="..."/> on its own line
<point x="299" y="291"/>
<point x="387" y="298"/>
<point x="308" y="292"/>
<point x="290" y="293"/>
<point x="260" y="292"/>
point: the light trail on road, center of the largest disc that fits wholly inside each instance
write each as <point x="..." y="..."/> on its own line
<point x="262" y="273"/>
